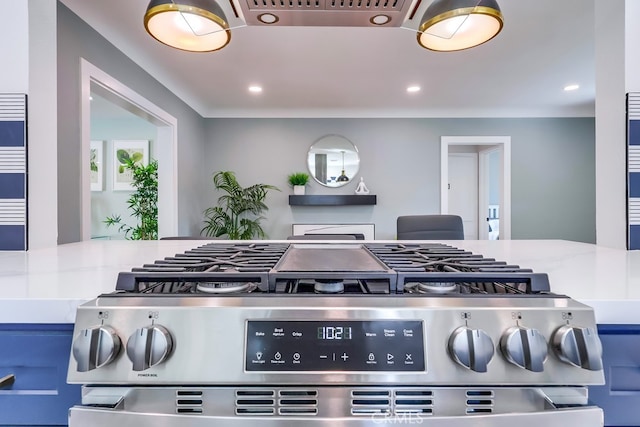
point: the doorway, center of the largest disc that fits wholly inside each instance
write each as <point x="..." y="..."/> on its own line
<point x="468" y="188"/>
<point x="463" y="190"/>
<point x="95" y="80"/>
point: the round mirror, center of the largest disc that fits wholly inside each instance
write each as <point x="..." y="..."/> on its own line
<point x="333" y="161"/>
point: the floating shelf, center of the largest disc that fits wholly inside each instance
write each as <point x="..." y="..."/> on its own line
<point x="332" y="200"/>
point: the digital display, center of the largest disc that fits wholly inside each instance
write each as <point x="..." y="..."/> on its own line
<point x="334" y="333"/>
<point x="335" y="345"/>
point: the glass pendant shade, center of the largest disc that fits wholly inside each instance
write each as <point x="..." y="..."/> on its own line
<point x="191" y="25"/>
<point x="450" y="25"/>
<point x="343" y="177"/>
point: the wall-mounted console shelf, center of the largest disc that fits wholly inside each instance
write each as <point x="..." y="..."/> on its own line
<point x="332" y="200"/>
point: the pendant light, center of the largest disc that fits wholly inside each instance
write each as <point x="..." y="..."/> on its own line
<point x="450" y="25"/>
<point x="191" y="25"/>
<point x="343" y="177"/>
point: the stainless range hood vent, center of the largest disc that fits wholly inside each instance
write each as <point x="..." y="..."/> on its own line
<point x="335" y="13"/>
<point x="378" y="5"/>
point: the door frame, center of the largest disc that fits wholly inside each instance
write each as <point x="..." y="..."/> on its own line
<point x="165" y="147"/>
<point x="504" y="145"/>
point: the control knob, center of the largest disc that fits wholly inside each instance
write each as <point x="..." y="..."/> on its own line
<point x="471" y="348"/>
<point x="95" y="347"/>
<point x="578" y="346"/>
<point x="149" y="346"/>
<point x="524" y="347"/>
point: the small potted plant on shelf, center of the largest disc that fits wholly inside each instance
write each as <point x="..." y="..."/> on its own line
<point x="298" y="181"/>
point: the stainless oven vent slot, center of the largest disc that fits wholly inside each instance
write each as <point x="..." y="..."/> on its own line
<point x="298" y="411"/>
<point x="255" y="411"/>
<point x="370" y="402"/>
<point x="480" y="401"/>
<point x="189" y="402"/>
<point x="255" y="402"/>
<point x="419" y="402"/>
<point x="298" y="402"/>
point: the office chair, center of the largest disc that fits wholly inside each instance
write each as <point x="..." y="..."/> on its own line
<point x="430" y="227"/>
<point x="189" y="238"/>
<point x="322" y="237"/>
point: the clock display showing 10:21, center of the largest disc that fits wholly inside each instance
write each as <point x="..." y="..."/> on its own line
<point x="334" y="333"/>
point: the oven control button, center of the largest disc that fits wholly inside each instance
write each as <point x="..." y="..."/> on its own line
<point x="524" y="347"/>
<point x="149" y="346"/>
<point x="95" y="347"/>
<point x="578" y="347"/>
<point x="471" y="348"/>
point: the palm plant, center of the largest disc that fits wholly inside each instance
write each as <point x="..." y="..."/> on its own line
<point x="239" y="210"/>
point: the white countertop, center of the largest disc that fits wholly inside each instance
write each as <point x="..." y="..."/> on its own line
<point x="46" y="285"/>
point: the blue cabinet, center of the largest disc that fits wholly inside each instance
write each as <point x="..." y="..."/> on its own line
<point x="38" y="357"/>
<point x="620" y="396"/>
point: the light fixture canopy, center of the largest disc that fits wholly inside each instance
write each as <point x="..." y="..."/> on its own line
<point x="451" y="25"/>
<point x="191" y="25"/>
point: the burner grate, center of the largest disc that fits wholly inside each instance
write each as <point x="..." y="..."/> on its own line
<point x="201" y="283"/>
<point x="431" y="269"/>
<point x="325" y="269"/>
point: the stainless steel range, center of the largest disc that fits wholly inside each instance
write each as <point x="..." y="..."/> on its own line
<point x="232" y="334"/>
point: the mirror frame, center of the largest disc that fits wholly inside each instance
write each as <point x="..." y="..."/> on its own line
<point x="333" y="148"/>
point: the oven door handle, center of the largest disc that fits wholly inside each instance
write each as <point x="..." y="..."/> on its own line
<point x="7" y="380"/>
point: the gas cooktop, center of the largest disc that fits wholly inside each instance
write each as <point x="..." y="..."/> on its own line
<point x="234" y="333"/>
<point x="331" y="268"/>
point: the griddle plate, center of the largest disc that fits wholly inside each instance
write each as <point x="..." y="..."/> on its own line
<point x="329" y="258"/>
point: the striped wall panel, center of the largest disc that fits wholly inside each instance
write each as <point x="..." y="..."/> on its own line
<point x="13" y="172"/>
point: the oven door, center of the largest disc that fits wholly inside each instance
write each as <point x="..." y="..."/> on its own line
<point x="584" y="417"/>
<point x="324" y="406"/>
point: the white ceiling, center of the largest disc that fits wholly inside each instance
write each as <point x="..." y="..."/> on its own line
<point x="364" y="71"/>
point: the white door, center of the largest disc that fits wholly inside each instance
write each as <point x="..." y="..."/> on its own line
<point x="463" y="191"/>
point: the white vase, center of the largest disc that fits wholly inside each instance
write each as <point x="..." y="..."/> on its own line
<point x="298" y="190"/>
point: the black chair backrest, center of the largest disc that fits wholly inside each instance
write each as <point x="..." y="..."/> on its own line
<point x="430" y="227"/>
<point x="322" y="237"/>
<point x="189" y="238"/>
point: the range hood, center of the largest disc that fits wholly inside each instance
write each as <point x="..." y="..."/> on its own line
<point x="330" y="13"/>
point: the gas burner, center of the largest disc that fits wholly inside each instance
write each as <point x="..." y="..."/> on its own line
<point x="226" y="288"/>
<point x="329" y="286"/>
<point x="431" y="287"/>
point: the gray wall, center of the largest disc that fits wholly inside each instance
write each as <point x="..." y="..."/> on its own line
<point x="553" y="174"/>
<point x="75" y="40"/>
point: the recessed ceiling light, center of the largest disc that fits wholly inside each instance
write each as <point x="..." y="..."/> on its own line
<point x="568" y="88"/>
<point x="268" y="18"/>
<point x="255" y="89"/>
<point x="380" y="19"/>
<point x="412" y="89"/>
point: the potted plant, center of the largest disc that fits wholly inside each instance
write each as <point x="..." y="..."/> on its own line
<point x="143" y="203"/>
<point x="239" y="209"/>
<point x="298" y="181"/>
